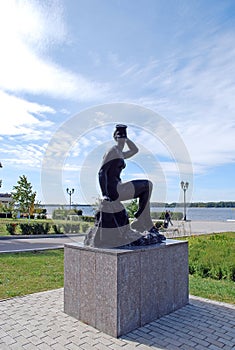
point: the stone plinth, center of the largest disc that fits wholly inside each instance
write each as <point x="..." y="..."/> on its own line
<point x="118" y="290"/>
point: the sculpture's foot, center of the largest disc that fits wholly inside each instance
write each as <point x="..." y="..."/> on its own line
<point x="154" y="231"/>
<point x="138" y="226"/>
<point x="149" y="237"/>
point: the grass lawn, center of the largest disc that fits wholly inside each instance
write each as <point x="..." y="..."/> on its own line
<point x="220" y="290"/>
<point x="213" y="256"/>
<point x="25" y="273"/>
<point x="212" y="266"/>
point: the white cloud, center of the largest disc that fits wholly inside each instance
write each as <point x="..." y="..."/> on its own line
<point x="32" y="21"/>
<point x="20" y="117"/>
<point x="72" y="167"/>
<point x="23" y="156"/>
<point x="27" y="30"/>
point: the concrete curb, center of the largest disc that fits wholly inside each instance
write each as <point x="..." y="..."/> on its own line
<point x="41" y="236"/>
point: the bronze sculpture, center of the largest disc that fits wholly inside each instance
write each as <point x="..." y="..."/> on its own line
<point x="112" y="227"/>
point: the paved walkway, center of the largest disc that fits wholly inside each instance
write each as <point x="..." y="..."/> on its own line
<point x="37" y="321"/>
<point x="31" y="243"/>
<point x="188" y="228"/>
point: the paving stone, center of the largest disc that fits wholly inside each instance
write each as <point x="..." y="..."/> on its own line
<point x="20" y="340"/>
<point x="73" y="346"/>
<point x="190" y="343"/>
<point x="4" y="346"/>
<point x="30" y="347"/>
<point x="143" y="334"/>
<point x="142" y="347"/>
<point x="43" y="346"/>
<point x="49" y="340"/>
<point x="101" y="347"/>
<point x="37" y="321"/>
<point x="228" y="347"/>
<point x="25" y="333"/>
<point x="227" y="342"/>
<point x="186" y="347"/>
<point x="202" y="343"/>
<point x="8" y="340"/>
<point x="117" y="347"/>
<point x="215" y="342"/>
<point x="105" y="341"/>
<point x="213" y="347"/>
<point x="160" y="342"/>
<point x="57" y="347"/>
<point x="200" y="347"/>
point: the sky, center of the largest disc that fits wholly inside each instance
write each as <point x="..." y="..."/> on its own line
<point x="70" y="70"/>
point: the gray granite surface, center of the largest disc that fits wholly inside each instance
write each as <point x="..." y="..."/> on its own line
<point x="118" y="290"/>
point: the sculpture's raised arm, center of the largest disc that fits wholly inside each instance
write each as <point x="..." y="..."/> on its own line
<point x="133" y="149"/>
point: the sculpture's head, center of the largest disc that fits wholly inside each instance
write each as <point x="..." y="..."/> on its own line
<point x="120" y="132"/>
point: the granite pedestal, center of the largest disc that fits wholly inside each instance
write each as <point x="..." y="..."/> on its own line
<point x="118" y="290"/>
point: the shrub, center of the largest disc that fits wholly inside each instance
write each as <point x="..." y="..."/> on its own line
<point x="59" y="214"/>
<point x="41" y="216"/>
<point x="40" y="229"/>
<point x="35" y="229"/>
<point x="5" y="215"/>
<point x="26" y="229"/>
<point x="70" y="228"/>
<point x="57" y="229"/>
<point x="40" y="211"/>
<point x="85" y="227"/>
<point x="158" y="224"/>
<point x="88" y="218"/>
<point x="26" y="216"/>
<point x="11" y="228"/>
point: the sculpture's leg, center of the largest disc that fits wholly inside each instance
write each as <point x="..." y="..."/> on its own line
<point x="141" y="189"/>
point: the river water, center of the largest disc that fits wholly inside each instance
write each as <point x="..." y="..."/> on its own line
<point x="195" y="214"/>
<point x="204" y="214"/>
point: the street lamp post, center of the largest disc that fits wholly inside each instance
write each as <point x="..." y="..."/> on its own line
<point x="70" y="192"/>
<point x="184" y="186"/>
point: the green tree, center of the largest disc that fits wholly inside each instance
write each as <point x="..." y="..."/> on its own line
<point x="132" y="208"/>
<point x="24" y="196"/>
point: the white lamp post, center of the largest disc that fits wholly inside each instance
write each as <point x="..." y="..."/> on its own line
<point x="184" y="186"/>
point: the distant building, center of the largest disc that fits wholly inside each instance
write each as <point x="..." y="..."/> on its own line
<point x="5" y="198"/>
